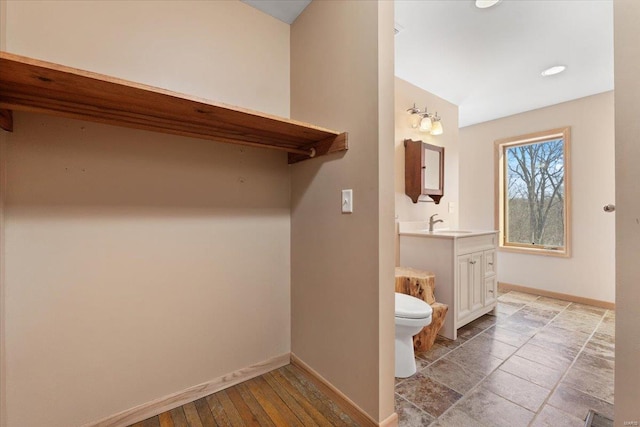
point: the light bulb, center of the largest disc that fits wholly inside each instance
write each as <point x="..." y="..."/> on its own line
<point x="436" y="129"/>
<point x="425" y="124"/>
<point x="414" y="120"/>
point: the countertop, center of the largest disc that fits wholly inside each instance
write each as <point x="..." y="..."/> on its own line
<point x="421" y="228"/>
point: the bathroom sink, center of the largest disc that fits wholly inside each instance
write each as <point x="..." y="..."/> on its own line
<point x="422" y="228"/>
<point x="447" y="232"/>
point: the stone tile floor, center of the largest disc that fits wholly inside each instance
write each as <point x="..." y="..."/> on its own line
<point x="538" y="362"/>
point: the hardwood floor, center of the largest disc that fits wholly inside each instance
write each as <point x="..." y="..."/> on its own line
<point x="284" y="397"/>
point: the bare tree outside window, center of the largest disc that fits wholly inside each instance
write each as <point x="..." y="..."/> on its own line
<point x="532" y="179"/>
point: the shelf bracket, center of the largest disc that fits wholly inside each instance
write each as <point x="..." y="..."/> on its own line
<point x="326" y="146"/>
<point x="6" y="120"/>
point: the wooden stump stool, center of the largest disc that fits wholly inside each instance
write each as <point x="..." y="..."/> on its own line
<point x="421" y="284"/>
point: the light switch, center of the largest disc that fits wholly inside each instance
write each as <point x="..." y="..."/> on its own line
<point x="347" y="201"/>
<point x="452" y="207"/>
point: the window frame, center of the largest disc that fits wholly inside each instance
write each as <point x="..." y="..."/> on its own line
<point x="500" y="194"/>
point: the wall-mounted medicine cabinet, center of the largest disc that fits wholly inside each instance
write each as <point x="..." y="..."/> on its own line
<point x="423" y="170"/>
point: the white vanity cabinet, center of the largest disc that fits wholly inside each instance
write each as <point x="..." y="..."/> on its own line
<point x="464" y="263"/>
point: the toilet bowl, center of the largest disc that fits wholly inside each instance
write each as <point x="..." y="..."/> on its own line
<point x="412" y="314"/>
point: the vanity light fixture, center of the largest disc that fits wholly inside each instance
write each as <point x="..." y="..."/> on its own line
<point x="556" y="69"/>
<point x="425" y="121"/>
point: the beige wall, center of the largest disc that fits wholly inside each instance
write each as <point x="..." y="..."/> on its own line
<point x="194" y="47"/>
<point x="627" y="104"/>
<point x="342" y="265"/>
<point x="406" y="95"/>
<point x="140" y="264"/>
<point x="386" y="209"/>
<point x="590" y="271"/>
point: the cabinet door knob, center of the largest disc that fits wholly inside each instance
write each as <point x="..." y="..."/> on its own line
<point x="490" y="291"/>
<point x="472" y="262"/>
<point x="490" y="263"/>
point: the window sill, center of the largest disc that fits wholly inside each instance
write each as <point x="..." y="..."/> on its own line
<point x="564" y="253"/>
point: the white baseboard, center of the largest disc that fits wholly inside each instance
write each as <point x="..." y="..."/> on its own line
<point x="350" y="407"/>
<point x="158" y="406"/>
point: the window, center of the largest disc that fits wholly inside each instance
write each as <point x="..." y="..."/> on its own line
<point x="532" y="190"/>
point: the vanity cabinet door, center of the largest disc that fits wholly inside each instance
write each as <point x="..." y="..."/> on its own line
<point x="470" y="284"/>
<point x="465" y="273"/>
<point x="477" y="281"/>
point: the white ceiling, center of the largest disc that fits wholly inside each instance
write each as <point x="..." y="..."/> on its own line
<point x="488" y="61"/>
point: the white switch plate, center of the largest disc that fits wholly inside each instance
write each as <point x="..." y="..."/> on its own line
<point x="347" y="201"/>
<point x="452" y="207"/>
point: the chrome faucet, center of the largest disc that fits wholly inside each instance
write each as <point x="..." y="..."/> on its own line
<point x="433" y="221"/>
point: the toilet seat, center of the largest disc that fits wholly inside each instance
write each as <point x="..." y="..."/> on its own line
<point x="408" y="307"/>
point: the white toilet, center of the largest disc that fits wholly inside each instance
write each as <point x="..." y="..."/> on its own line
<point x="412" y="314"/>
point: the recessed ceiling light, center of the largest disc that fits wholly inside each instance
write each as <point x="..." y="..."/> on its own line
<point x="483" y="4"/>
<point x="556" y="69"/>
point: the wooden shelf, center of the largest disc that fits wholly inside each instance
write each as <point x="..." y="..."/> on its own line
<point x="28" y="84"/>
